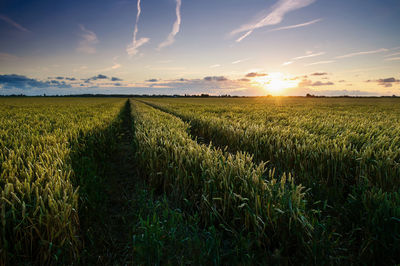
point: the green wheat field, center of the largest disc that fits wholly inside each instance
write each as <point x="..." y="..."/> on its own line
<point x="200" y="181"/>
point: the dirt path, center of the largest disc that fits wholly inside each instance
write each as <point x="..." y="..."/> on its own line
<point x="110" y="238"/>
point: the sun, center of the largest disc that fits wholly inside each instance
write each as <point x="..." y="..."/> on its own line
<point x="276" y="83"/>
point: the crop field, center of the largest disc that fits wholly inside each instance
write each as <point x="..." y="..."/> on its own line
<point x="204" y="181"/>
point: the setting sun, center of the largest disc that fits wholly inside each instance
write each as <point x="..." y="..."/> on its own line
<point x="275" y="83"/>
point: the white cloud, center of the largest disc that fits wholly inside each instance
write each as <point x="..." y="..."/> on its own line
<point x="175" y="29"/>
<point x="297" y="25"/>
<point x="88" y="41"/>
<point x="287" y="63"/>
<point x="240" y="61"/>
<point x="134" y="46"/>
<point x="363" y="53"/>
<point x="116" y="65"/>
<point x="320" y="63"/>
<point x="275" y="16"/>
<point x="215" y="66"/>
<point x="308" y="56"/>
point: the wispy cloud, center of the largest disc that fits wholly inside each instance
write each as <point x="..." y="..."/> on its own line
<point x="308" y="56"/>
<point x="392" y="59"/>
<point x="89" y="39"/>
<point x="394" y="54"/>
<point x="320" y="63"/>
<point x="175" y="29"/>
<point x="215" y="66"/>
<point x="134" y="46"/>
<point x="13" y="23"/>
<point x="287" y="63"/>
<point x="240" y="61"/>
<point x="363" y="53"/>
<point x="275" y="16"/>
<point x="297" y="25"/>
<point x="115" y="65"/>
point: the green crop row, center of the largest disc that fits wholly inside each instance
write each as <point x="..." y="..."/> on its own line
<point x="38" y="185"/>
<point x="225" y="190"/>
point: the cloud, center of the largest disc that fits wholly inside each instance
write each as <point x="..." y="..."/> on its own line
<point x="116" y="66"/>
<point x="216" y="78"/>
<point x="152" y="80"/>
<point x="59" y="84"/>
<point x="320" y="63"/>
<point x="100" y="76"/>
<point x="215" y="66"/>
<point x="392" y="59"/>
<point x="175" y="28"/>
<point x="214" y="85"/>
<point x="240" y="61"/>
<point x="320" y="83"/>
<point x="341" y="81"/>
<point x="255" y="74"/>
<point x="308" y="56"/>
<point x="343" y="93"/>
<point x="132" y="49"/>
<point x="275" y="16"/>
<point x="385" y="82"/>
<point x="13" y="23"/>
<point x="394" y="54"/>
<point x="287" y="63"/>
<point x="388" y="80"/>
<point x="306" y="82"/>
<point x="297" y="25"/>
<point x="88" y="41"/>
<point x="14" y="81"/>
<point x="363" y="53"/>
<point x="319" y="74"/>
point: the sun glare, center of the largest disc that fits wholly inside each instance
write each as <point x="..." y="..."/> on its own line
<point x="276" y="83"/>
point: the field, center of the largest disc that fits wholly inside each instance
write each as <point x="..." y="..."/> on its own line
<point x="200" y="181"/>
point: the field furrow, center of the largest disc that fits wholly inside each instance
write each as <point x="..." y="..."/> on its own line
<point x="229" y="190"/>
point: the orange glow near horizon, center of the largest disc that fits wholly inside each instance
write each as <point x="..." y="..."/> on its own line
<point x="275" y="83"/>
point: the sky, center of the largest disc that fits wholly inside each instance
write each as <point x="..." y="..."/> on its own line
<point x="235" y="47"/>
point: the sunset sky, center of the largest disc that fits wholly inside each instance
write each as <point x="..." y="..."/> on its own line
<point x="237" y="47"/>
